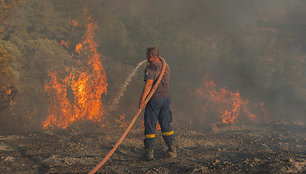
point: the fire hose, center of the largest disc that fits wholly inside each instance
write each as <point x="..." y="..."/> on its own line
<point x="110" y="153"/>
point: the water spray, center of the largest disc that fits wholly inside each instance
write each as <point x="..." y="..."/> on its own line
<point x="115" y="102"/>
<point x="110" y="153"/>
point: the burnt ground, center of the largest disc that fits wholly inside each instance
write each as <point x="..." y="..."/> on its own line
<point x="271" y="148"/>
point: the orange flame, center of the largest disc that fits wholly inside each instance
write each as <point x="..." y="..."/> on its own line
<point x="237" y="105"/>
<point x="64" y="43"/>
<point x="8" y="92"/>
<point x="86" y="84"/>
<point x="230" y="103"/>
<point x="74" y="22"/>
<point x="78" y="47"/>
<point x="121" y="121"/>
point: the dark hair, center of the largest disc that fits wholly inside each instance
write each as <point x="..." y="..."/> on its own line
<point x="153" y="51"/>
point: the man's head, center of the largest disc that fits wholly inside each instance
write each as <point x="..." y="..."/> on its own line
<point x="152" y="54"/>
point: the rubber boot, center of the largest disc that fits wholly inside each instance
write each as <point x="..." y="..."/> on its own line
<point x="148" y="154"/>
<point x="172" y="150"/>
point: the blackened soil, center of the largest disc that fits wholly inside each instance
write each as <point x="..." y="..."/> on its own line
<point x="272" y="148"/>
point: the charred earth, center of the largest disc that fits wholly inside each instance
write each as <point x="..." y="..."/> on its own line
<point x="272" y="148"/>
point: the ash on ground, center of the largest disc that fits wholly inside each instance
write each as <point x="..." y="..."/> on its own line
<point x="272" y="148"/>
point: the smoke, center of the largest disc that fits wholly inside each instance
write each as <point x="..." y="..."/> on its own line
<point x="254" y="47"/>
<point x="116" y="100"/>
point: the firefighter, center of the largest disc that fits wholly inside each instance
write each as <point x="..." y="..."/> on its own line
<point x="158" y="107"/>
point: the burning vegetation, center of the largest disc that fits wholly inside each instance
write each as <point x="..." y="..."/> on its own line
<point x="87" y="83"/>
<point x="229" y="105"/>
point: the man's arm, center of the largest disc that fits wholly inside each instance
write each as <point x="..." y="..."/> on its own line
<point x="146" y="90"/>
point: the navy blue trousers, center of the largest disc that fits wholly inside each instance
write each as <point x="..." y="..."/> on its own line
<point x="158" y="109"/>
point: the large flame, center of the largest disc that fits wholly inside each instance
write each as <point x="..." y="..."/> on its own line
<point x="87" y="84"/>
<point x="229" y="104"/>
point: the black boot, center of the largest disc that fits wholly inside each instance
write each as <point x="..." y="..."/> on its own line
<point x="172" y="150"/>
<point x="149" y="153"/>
